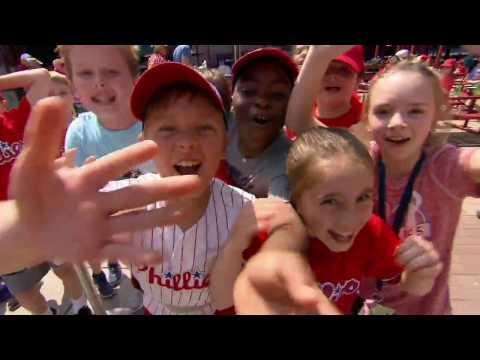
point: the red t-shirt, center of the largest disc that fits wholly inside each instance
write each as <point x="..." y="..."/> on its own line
<point x="224" y="174"/>
<point x="12" y="126"/>
<point x="347" y="120"/>
<point x="447" y="82"/>
<point x="339" y="275"/>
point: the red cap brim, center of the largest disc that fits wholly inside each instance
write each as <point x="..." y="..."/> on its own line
<point x="349" y="62"/>
<point x="266" y="53"/>
<point x="353" y="58"/>
<point x="166" y="74"/>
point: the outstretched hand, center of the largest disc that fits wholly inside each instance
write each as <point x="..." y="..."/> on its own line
<point x="60" y="212"/>
<point x="279" y="283"/>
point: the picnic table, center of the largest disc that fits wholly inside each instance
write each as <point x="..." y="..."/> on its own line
<point x="464" y="109"/>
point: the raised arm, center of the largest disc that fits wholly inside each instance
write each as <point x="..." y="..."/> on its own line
<point x="299" y="114"/>
<point x="36" y="83"/>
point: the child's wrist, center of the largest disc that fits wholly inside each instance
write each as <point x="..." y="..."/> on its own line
<point x="19" y="233"/>
<point x="237" y="246"/>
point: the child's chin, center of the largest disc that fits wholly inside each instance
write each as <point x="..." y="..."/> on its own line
<point x="337" y="247"/>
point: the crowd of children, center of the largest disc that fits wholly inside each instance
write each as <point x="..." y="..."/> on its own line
<point x="292" y="176"/>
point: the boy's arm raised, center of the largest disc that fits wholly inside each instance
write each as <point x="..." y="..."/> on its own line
<point x="36" y="83"/>
<point x="299" y="114"/>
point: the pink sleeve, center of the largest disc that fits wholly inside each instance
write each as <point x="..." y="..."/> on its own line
<point x="450" y="169"/>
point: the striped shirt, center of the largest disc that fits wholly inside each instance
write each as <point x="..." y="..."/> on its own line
<point x="180" y="285"/>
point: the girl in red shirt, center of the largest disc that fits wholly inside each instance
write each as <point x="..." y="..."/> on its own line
<point x="331" y="177"/>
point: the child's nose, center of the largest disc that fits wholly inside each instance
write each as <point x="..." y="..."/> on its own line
<point x="100" y="81"/>
<point x="397" y="120"/>
<point x="262" y="102"/>
<point x="348" y="220"/>
<point x="100" y="84"/>
<point x="187" y="140"/>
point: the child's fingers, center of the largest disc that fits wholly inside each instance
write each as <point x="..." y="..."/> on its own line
<point x="326" y="307"/>
<point x="89" y="160"/>
<point x="305" y="295"/>
<point x="60" y="163"/>
<point x="404" y="257"/>
<point x="148" y="192"/>
<point x="249" y="300"/>
<point x="130" y="253"/>
<point x="303" y="290"/>
<point x="118" y="163"/>
<point x="258" y="290"/>
<point x="44" y="132"/>
<point x="70" y="156"/>
<point x="142" y="220"/>
<point x="414" y="242"/>
<point x="313" y="300"/>
<point x="122" y="238"/>
<point x="424" y="260"/>
<point x="296" y="273"/>
<point x="428" y="272"/>
<point x="408" y="243"/>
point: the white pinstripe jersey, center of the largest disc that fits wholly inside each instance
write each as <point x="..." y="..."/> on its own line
<point x="180" y="285"/>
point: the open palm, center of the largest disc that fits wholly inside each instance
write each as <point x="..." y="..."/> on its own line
<point x="61" y="212"/>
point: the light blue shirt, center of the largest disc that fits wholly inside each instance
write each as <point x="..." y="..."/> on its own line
<point x="90" y="138"/>
<point x="182" y="51"/>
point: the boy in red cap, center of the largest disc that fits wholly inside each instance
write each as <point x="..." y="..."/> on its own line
<point x="185" y="116"/>
<point x="447" y="70"/>
<point x="262" y="82"/>
<point x="331" y="93"/>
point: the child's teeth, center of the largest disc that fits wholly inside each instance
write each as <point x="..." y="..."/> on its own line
<point x="189" y="163"/>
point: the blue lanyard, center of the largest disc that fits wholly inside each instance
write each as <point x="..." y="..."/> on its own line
<point x="406" y="197"/>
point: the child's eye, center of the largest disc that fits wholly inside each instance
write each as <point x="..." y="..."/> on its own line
<point x="365" y="197"/>
<point x="112" y="72"/>
<point x="248" y="92"/>
<point x="279" y="96"/>
<point x="206" y="129"/>
<point x="345" y="72"/>
<point x="381" y="112"/>
<point x="330" y="202"/>
<point x="166" y="131"/>
<point x="417" y="112"/>
<point x="85" y="73"/>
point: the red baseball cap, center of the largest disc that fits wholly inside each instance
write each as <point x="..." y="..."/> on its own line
<point x="449" y="63"/>
<point x="354" y="58"/>
<point x="166" y="74"/>
<point x="266" y="53"/>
